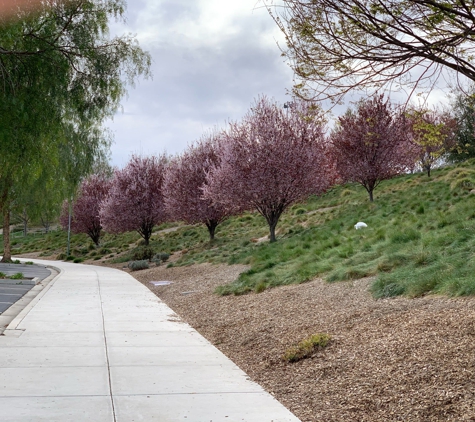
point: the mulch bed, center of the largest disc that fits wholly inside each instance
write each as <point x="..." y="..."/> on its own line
<point x="388" y="360"/>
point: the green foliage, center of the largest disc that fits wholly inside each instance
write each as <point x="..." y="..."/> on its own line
<point x="408" y="252"/>
<point x="143" y="253"/>
<point x="159" y="258"/>
<point x="138" y="265"/>
<point x="463" y="108"/>
<point x="163" y="256"/>
<point x="17" y="276"/>
<point x="2" y="275"/>
<point x="54" y="123"/>
<point x="306" y="347"/>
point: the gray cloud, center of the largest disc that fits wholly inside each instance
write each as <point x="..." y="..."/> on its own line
<point x="198" y="83"/>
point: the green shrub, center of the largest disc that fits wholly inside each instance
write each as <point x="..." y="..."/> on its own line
<point x="138" y="265"/>
<point x="17" y="276"/>
<point x="78" y="260"/>
<point x="29" y="263"/>
<point x="163" y="256"/>
<point x="143" y="253"/>
<point x="2" y="275"/>
<point x="306" y="347"/>
<point x="61" y="257"/>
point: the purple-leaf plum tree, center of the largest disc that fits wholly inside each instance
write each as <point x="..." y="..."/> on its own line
<point x="370" y="144"/>
<point x="135" y="200"/>
<point x="270" y="160"/>
<point x="183" y="185"/>
<point x="85" y="208"/>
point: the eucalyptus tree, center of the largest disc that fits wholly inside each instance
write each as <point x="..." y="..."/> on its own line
<point x="61" y="75"/>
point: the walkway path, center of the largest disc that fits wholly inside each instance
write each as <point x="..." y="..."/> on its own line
<point x="96" y="345"/>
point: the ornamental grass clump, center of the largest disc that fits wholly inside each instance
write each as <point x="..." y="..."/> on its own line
<point x="138" y="265"/>
<point x="306" y="347"/>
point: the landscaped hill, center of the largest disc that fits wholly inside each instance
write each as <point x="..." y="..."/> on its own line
<point x="420" y="238"/>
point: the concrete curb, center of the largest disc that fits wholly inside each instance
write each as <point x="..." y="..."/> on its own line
<point x="14" y="315"/>
<point x="25" y="282"/>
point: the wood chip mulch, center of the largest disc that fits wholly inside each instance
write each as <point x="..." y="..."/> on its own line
<point x="389" y="360"/>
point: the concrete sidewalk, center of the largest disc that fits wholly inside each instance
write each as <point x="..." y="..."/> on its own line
<point x="96" y="345"/>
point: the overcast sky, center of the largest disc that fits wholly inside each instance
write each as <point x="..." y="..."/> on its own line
<point x="211" y="58"/>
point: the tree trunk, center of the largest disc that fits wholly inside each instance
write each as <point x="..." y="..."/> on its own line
<point x="211" y="225"/>
<point x="371" y="199"/>
<point x="46" y="224"/>
<point x="272" y="219"/>
<point x="146" y="230"/>
<point x="25" y="223"/>
<point x="7" y="251"/>
<point x="272" y="227"/>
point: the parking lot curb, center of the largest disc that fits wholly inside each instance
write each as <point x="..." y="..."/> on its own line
<point x="15" y="314"/>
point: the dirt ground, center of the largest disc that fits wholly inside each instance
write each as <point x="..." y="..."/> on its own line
<point x="388" y="360"/>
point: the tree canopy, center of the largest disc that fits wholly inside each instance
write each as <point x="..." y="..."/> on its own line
<point x="335" y="46"/>
<point x="61" y="75"/>
<point x="135" y="199"/>
<point x="370" y="144"/>
<point x="185" y="177"/>
<point x="432" y="135"/>
<point x="86" y="207"/>
<point x="271" y="160"/>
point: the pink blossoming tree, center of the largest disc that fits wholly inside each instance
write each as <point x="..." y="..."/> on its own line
<point x="135" y="200"/>
<point x="371" y="144"/>
<point x="183" y="185"/>
<point x="85" y="208"/>
<point x="271" y="160"/>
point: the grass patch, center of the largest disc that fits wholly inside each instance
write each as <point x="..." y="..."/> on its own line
<point x="420" y="239"/>
<point x="306" y="347"/>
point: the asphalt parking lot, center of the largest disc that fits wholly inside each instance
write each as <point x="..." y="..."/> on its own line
<point x="10" y="293"/>
<point x="13" y="290"/>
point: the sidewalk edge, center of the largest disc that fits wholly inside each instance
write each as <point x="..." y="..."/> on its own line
<point x="38" y="291"/>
